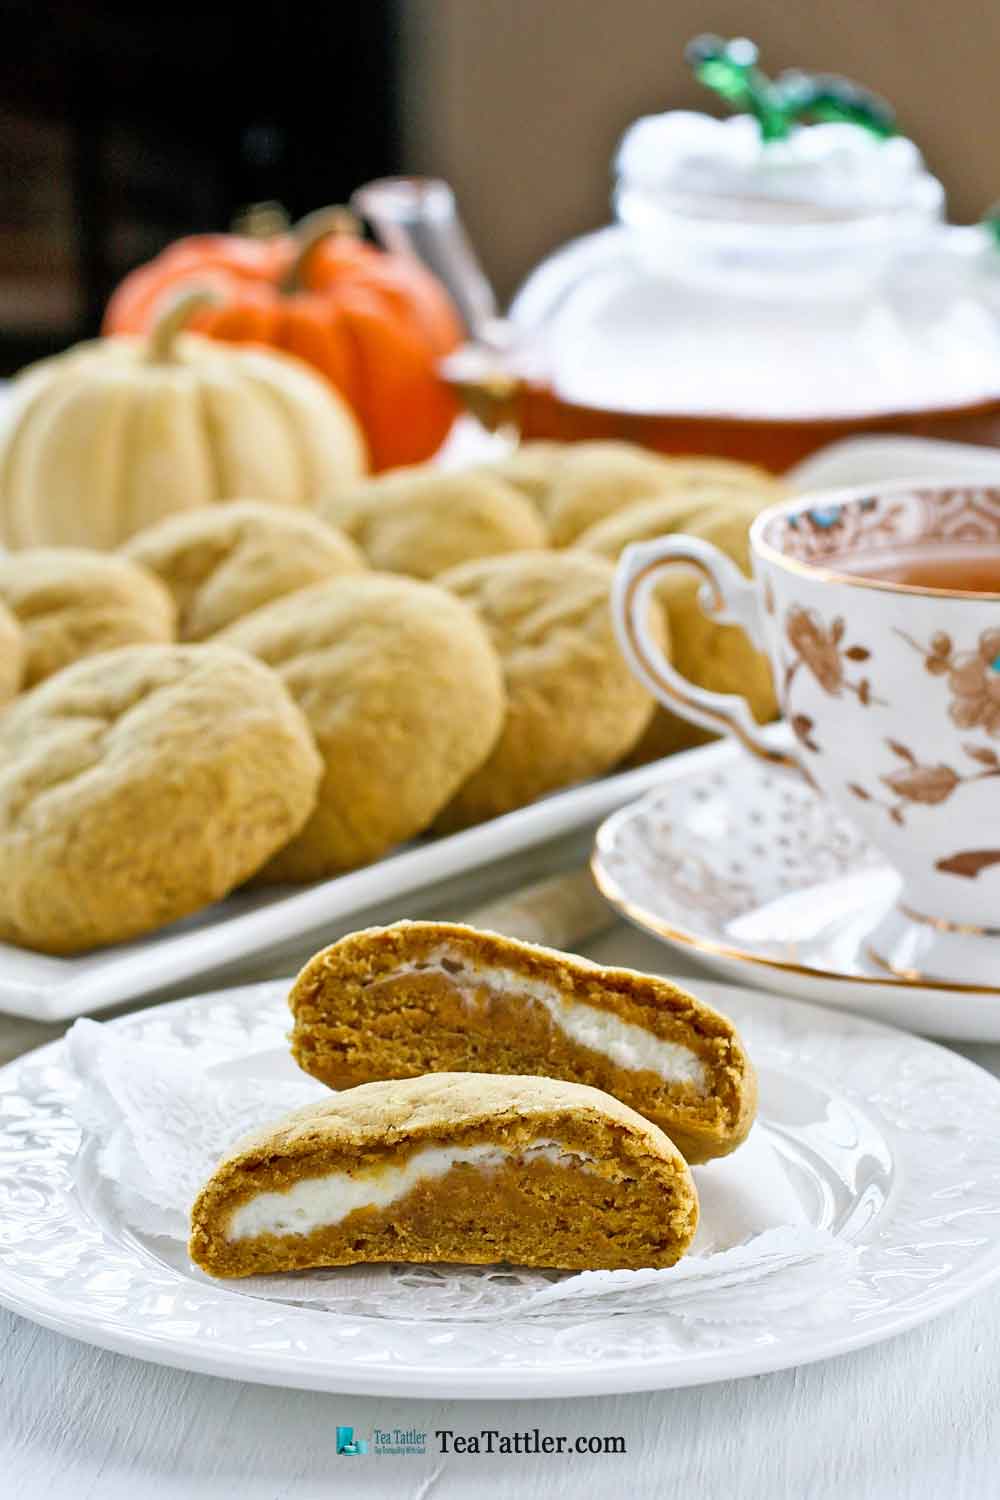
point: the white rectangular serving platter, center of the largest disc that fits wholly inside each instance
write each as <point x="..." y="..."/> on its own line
<point x="254" y="922"/>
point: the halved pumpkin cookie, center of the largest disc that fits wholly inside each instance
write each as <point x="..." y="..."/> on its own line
<point x="420" y="997"/>
<point x="452" y="1167"/>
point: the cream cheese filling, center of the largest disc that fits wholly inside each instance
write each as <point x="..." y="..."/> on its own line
<point x="316" y="1202"/>
<point x="625" y="1043"/>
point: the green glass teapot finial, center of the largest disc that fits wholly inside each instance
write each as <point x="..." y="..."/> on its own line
<point x="991" y="223"/>
<point x="730" y="69"/>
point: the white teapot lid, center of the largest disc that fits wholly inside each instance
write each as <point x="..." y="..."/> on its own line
<point x="831" y="171"/>
<point x="765" y="165"/>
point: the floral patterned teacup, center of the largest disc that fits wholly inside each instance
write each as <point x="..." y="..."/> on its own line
<point x="892" y="691"/>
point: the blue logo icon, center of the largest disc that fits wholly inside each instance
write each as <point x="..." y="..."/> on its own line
<point x="347" y="1443"/>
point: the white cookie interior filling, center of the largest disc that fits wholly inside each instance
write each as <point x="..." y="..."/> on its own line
<point x="626" y="1044"/>
<point x="318" y="1201"/>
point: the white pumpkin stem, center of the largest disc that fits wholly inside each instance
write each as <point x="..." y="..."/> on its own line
<point x="261" y="221"/>
<point x="309" y="232"/>
<point x="174" y="318"/>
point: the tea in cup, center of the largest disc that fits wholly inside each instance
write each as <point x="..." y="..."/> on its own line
<point x="879" y="609"/>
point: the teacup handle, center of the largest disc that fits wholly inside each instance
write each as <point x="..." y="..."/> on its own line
<point x="728" y="597"/>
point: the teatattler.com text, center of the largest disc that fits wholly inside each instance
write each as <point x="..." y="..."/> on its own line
<point x="492" y="1440"/>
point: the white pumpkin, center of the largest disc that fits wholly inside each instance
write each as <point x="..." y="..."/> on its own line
<point x="113" y="435"/>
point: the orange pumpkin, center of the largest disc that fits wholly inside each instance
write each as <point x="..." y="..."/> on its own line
<point x="375" y="324"/>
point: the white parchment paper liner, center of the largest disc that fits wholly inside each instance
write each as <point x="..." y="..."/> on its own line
<point x="161" y="1123"/>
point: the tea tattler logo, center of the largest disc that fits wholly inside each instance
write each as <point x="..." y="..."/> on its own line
<point x="348" y="1444"/>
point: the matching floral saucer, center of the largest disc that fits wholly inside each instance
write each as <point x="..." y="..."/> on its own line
<point x="766" y="883"/>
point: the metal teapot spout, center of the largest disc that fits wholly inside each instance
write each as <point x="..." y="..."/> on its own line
<point x="418" y="216"/>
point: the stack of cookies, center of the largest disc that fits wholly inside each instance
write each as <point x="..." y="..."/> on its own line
<point x="501" y="1102"/>
<point x="249" y="691"/>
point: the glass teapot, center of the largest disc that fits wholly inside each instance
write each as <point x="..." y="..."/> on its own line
<point x="769" y="285"/>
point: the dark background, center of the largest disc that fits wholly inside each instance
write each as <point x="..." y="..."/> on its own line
<point x="122" y="128"/>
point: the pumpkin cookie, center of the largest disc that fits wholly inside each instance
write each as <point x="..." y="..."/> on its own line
<point x="665" y="514"/>
<point x="73" y="603"/>
<point x="12" y="654"/>
<point x="598" y="479"/>
<point x="590" y="480"/>
<point x="404" y="694"/>
<point x="529" y="468"/>
<point x="423" y="997"/>
<point x="137" y="786"/>
<point x="422" y="521"/>
<point x="454" y="1167"/>
<point x="573" y="707"/>
<point x="224" y="561"/>
<point x="714" y="656"/>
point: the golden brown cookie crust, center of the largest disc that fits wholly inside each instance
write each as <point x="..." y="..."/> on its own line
<point x="592" y="480"/>
<point x="404" y="695"/>
<point x="529" y="468"/>
<point x="423" y="520"/>
<point x="573" y="707"/>
<point x="632" y="1203"/>
<point x="222" y="562"/>
<point x="419" y="997"/>
<point x="665" y="515"/>
<point x="140" y="785"/>
<point x="73" y="603"/>
<point x="596" y="481"/>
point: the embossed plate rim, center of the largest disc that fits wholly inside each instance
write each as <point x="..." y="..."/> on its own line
<point x="521" y="1357"/>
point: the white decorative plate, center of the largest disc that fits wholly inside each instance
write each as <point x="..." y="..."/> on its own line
<point x="255" y="921"/>
<point x="767" y="884"/>
<point x="891" y="1142"/>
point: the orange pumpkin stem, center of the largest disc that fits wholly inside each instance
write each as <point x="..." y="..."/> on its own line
<point x="175" y="316"/>
<point x="308" y="233"/>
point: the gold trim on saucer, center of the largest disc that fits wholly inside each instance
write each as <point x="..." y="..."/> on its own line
<point x="940" y="924"/>
<point x="905" y="976"/>
<point x="647" y="922"/>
